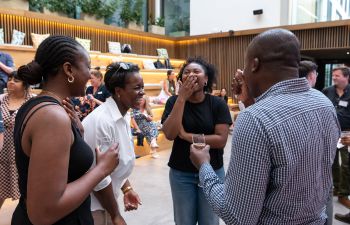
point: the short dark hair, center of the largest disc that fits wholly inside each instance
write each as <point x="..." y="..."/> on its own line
<point x="345" y="70"/>
<point x="52" y="53"/>
<point x="209" y="70"/>
<point x="116" y="75"/>
<point x="305" y="67"/>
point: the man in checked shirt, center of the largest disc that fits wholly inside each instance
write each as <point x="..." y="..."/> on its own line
<point x="283" y="145"/>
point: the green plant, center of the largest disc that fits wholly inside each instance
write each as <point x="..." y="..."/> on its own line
<point x="36" y="5"/>
<point x="160" y="22"/>
<point x="126" y="14"/>
<point x="64" y="6"/>
<point x="137" y="12"/>
<point x="182" y="24"/>
<point x="99" y="8"/>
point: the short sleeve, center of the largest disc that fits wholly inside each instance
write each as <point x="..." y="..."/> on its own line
<point x="2" y="128"/>
<point x="222" y="112"/>
<point x="168" y="108"/>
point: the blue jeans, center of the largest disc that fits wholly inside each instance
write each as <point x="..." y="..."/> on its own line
<point x="189" y="202"/>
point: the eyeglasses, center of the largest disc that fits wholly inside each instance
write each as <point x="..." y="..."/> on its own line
<point x="124" y="66"/>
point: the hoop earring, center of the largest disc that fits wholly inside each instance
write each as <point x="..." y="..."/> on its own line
<point x="205" y="84"/>
<point x="71" y="79"/>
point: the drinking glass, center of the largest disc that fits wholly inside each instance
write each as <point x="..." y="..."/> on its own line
<point x="345" y="134"/>
<point x="198" y="141"/>
<point x="106" y="142"/>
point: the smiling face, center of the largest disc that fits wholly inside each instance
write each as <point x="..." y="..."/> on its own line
<point x="339" y="79"/>
<point x="131" y="95"/>
<point x="95" y="81"/>
<point x="198" y="71"/>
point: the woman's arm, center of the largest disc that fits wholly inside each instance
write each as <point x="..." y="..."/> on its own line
<point x="49" y="151"/>
<point x="171" y="126"/>
<point x="108" y="202"/>
<point x="165" y="88"/>
<point x="217" y="140"/>
<point x="131" y="198"/>
<point x="98" y="102"/>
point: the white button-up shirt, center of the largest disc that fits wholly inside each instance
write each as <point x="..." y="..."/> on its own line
<point x="107" y="123"/>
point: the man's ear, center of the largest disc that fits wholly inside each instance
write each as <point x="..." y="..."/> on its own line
<point x="256" y="65"/>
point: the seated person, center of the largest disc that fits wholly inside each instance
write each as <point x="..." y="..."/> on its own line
<point x="168" y="88"/>
<point x="97" y="92"/>
<point x="142" y="121"/>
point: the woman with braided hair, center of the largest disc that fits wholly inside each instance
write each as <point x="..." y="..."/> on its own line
<point x="53" y="161"/>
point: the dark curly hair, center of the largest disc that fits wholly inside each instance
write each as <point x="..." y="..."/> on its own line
<point x="116" y="75"/>
<point x="209" y="70"/>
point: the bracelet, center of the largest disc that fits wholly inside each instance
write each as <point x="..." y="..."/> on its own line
<point x="126" y="189"/>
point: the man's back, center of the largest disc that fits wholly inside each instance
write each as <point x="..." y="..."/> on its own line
<point x="293" y="133"/>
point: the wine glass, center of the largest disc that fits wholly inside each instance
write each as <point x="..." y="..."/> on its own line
<point x="106" y="142"/>
<point x="345" y="134"/>
<point x="198" y="141"/>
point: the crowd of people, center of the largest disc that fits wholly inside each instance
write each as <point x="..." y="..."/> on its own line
<point x="284" y="166"/>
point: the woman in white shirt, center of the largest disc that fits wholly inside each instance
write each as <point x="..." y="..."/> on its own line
<point x="108" y="124"/>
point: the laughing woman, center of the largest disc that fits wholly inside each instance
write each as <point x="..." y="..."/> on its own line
<point x="193" y="112"/>
<point x="108" y="124"/>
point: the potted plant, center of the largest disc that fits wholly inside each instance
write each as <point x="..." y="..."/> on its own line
<point x="181" y="27"/>
<point x="97" y="10"/>
<point x="157" y="26"/>
<point x="126" y="14"/>
<point x="137" y="15"/>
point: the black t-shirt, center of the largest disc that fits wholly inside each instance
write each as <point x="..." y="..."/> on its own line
<point x="341" y="104"/>
<point x="198" y="118"/>
<point x="101" y="94"/>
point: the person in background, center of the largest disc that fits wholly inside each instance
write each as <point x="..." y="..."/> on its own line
<point x="345" y="218"/>
<point x="108" y="124"/>
<point x="18" y="93"/>
<point x="223" y="94"/>
<point x="142" y="121"/>
<point x="194" y="113"/>
<point x="282" y="154"/>
<point x="339" y="95"/>
<point x="97" y="92"/>
<point x="53" y="161"/>
<point x="168" y="88"/>
<point x="308" y="70"/>
<point x="6" y="68"/>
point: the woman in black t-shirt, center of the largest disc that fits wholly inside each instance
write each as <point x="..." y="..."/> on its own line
<point x="97" y="92"/>
<point x="194" y="112"/>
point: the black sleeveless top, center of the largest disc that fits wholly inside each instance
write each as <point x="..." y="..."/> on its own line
<point x="80" y="160"/>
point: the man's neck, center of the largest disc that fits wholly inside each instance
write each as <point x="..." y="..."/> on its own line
<point x="340" y="89"/>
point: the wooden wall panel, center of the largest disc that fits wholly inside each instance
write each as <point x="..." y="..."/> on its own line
<point x="227" y="52"/>
<point x="224" y="50"/>
<point x="141" y="43"/>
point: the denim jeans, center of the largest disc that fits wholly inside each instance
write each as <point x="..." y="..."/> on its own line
<point x="190" y="205"/>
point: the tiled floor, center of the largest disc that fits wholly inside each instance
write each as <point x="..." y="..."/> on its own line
<point x="150" y="180"/>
